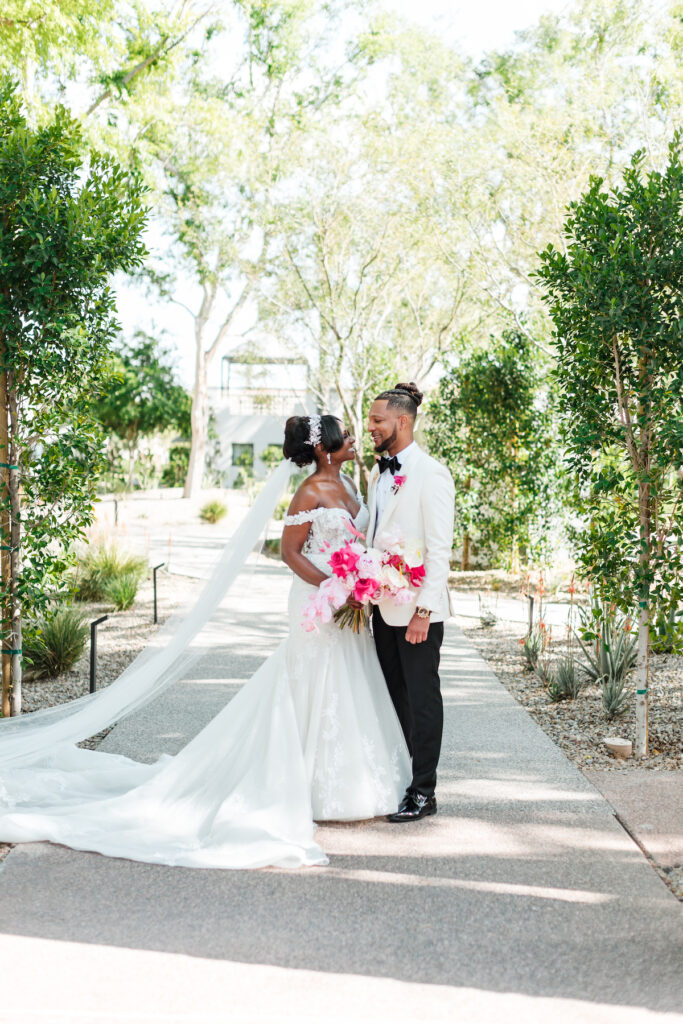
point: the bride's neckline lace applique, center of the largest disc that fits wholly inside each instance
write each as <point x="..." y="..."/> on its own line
<point x="309" y="515"/>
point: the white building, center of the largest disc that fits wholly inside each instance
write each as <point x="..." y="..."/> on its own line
<point x="261" y="386"/>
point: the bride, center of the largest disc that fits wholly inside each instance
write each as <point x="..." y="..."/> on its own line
<point x="312" y="736"/>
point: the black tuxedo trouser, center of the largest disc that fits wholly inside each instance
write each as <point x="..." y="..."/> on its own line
<point x="412" y="675"/>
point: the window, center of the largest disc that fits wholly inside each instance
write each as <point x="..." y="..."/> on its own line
<point x="243" y="455"/>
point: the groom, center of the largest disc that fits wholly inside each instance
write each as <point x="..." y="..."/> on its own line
<point x="411" y="491"/>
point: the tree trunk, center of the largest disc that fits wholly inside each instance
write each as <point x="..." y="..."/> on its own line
<point x="131" y="467"/>
<point x="465" y="557"/>
<point x="642" y="674"/>
<point x="5" y="541"/>
<point x="360" y="474"/>
<point x="514" y="557"/>
<point x="15" y="637"/>
<point x="199" y="419"/>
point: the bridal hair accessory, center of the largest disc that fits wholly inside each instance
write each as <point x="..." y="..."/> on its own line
<point x="314" y="430"/>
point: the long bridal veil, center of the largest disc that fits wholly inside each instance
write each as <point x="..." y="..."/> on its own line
<point x="24" y="740"/>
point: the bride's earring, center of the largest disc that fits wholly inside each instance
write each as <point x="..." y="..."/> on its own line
<point x="329" y="459"/>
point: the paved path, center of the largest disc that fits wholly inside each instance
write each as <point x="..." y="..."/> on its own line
<point x="523" y="899"/>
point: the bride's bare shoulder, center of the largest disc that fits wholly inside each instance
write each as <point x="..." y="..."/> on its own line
<point x="306" y="497"/>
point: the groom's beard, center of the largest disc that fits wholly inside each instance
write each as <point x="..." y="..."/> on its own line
<point x="387" y="442"/>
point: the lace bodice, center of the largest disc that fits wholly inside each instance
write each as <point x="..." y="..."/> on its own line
<point x="329" y="531"/>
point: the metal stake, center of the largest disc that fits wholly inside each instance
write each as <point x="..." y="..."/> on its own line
<point x="531" y="614"/>
<point x="93" y="650"/>
<point x="154" y="575"/>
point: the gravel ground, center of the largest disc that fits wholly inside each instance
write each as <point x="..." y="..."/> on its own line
<point x="119" y="640"/>
<point x="578" y="727"/>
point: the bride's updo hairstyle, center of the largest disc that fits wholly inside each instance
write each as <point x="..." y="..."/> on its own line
<point x="405" y="398"/>
<point x="297" y="445"/>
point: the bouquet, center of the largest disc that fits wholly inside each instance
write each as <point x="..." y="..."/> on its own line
<point x="368" y="575"/>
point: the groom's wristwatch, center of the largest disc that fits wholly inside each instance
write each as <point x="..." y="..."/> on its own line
<point x="423" y="613"/>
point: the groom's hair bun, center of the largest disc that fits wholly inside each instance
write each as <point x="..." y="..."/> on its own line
<point x="407" y="398"/>
<point x="297" y="445"/>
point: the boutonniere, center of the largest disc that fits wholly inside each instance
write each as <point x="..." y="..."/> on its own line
<point x="397" y="484"/>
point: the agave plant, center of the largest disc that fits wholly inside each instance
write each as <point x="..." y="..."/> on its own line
<point x="565" y="683"/>
<point x="616" y="645"/>
<point x="487" y="615"/>
<point x="532" y="645"/>
<point x="615" y="697"/>
<point x="544" y="671"/>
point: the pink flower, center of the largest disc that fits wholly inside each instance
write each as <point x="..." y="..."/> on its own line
<point x="344" y="561"/>
<point x="365" y="589"/>
<point x="416" y="573"/>
<point x="399" y="481"/>
<point x="334" y="591"/>
<point x="352" y="529"/>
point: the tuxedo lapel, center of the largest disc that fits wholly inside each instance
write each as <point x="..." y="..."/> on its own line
<point x="372" y="505"/>
<point x="410" y="466"/>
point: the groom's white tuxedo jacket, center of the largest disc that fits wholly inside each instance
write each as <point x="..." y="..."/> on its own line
<point x="423" y="510"/>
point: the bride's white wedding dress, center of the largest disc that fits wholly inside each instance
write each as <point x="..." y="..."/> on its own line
<point x="312" y="736"/>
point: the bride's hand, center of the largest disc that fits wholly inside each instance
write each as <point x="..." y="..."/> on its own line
<point x="352" y="603"/>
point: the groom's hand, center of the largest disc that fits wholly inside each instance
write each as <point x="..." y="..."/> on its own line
<point x="417" y="630"/>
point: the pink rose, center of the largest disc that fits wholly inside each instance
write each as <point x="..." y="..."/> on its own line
<point x="399" y="481"/>
<point x="416" y="573"/>
<point x="364" y="590"/>
<point x="344" y="561"/>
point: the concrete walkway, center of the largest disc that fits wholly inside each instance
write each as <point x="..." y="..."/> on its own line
<point x="523" y="899"/>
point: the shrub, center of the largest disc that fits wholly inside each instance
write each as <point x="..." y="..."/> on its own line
<point x="666" y="633"/>
<point x="271" y="547"/>
<point x="121" y="591"/>
<point x="281" y="509"/>
<point x="99" y="565"/>
<point x="565" y="682"/>
<point x="487" y="616"/>
<point x="544" y="671"/>
<point x="213" y="511"/>
<point x="615" y="697"/>
<point x="532" y="645"/>
<point x="615" y="650"/>
<point x="55" y="642"/>
<point x="174" y="473"/>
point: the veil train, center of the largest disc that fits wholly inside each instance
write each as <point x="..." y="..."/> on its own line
<point x="30" y="738"/>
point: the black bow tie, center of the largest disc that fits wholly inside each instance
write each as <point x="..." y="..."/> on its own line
<point x="392" y="464"/>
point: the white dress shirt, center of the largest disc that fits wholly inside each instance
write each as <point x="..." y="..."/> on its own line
<point x="386" y="480"/>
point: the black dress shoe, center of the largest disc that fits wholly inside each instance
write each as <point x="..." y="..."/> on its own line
<point x="413" y="807"/>
<point x="407" y="799"/>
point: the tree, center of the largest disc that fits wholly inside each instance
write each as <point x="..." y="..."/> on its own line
<point x="223" y="154"/>
<point x="69" y="221"/>
<point x="489" y="420"/>
<point x="359" y="282"/>
<point x="109" y="48"/>
<point x="143" y="396"/>
<point x="574" y="94"/>
<point x="615" y="297"/>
